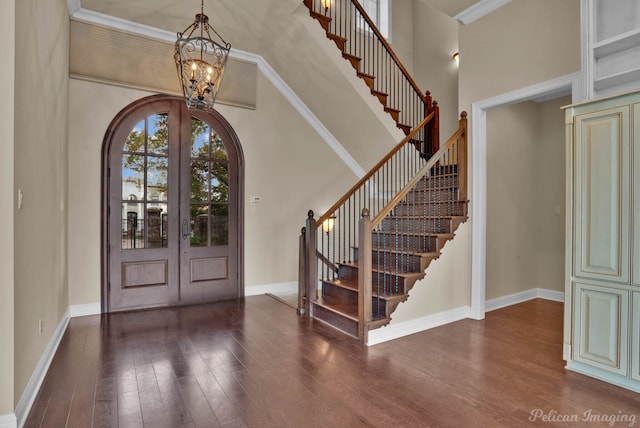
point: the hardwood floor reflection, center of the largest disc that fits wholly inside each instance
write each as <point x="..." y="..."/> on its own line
<point x="255" y="363"/>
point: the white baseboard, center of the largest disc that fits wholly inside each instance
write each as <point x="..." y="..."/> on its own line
<point x="523" y="296"/>
<point x="417" y="325"/>
<point x="8" y="421"/>
<point x="84" y="310"/>
<point x="280" y="287"/>
<point x="33" y="386"/>
<point x="556" y="296"/>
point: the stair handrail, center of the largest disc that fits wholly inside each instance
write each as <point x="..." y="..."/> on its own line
<point x="456" y="143"/>
<point x="374" y="169"/>
<point x="362" y="43"/>
<point x="437" y="157"/>
<point x="387" y="46"/>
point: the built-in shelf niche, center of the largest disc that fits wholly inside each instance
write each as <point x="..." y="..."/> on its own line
<point x="611" y="46"/>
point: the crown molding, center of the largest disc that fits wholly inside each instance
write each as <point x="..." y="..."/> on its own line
<point x="264" y="67"/>
<point x="478" y="10"/>
<point x="73" y="6"/>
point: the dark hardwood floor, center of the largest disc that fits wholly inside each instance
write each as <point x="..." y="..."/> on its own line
<point x="255" y="363"/>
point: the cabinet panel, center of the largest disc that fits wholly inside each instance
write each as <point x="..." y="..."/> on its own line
<point x="635" y="258"/>
<point x="601" y="319"/>
<point x="601" y="222"/>
<point x="635" y="337"/>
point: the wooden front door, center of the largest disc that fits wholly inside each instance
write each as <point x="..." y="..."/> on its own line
<point x="173" y="207"/>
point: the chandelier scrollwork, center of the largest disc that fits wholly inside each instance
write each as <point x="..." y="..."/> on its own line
<point x="200" y="62"/>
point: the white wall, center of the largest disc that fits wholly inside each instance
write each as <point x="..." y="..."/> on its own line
<point x="286" y="164"/>
<point x="41" y="106"/>
<point x="7" y="34"/>
<point x="435" y="42"/>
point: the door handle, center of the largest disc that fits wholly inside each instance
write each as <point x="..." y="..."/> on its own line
<point x="185" y="229"/>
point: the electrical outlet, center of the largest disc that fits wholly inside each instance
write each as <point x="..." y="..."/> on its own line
<point x="39" y="326"/>
<point x="19" y="199"/>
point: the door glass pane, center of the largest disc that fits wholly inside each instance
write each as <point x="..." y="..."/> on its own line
<point x="145" y="184"/>
<point x="156" y="225"/>
<point x="135" y="140"/>
<point x="219" y="152"/>
<point x="199" y="138"/>
<point x="219" y="224"/>
<point x="209" y="186"/>
<point x="157" y="178"/>
<point x="199" y="225"/>
<point x="219" y="182"/>
<point x="199" y="181"/>
<point x="132" y="177"/>
<point x="158" y="126"/>
<point x="132" y="225"/>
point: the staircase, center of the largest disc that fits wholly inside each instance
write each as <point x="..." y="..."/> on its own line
<point x="361" y="258"/>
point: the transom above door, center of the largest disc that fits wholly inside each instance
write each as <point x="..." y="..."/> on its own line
<point x="173" y="207"/>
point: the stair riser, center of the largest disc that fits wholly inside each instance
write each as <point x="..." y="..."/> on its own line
<point x="416" y="225"/>
<point x="438" y="182"/>
<point x="444" y="170"/>
<point x="431" y="210"/>
<point x="433" y="195"/>
<point x="344" y="324"/>
<point x="403" y="262"/>
<point x="416" y="244"/>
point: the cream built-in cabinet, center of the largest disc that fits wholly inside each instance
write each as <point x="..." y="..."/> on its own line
<point x="602" y="298"/>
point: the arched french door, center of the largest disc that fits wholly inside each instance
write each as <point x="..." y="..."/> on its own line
<point x="172" y="207"/>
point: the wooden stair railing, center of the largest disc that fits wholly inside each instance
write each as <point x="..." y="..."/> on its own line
<point x="359" y="260"/>
<point x="361" y="43"/>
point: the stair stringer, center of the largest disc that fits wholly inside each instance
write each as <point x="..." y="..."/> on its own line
<point x="345" y="67"/>
<point x="443" y="292"/>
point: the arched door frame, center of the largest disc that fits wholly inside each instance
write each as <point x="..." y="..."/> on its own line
<point x="107" y="143"/>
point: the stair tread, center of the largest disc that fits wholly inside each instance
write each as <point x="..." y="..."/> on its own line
<point x="347" y="55"/>
<point x="391" y="109"/>
<point x="338" y="306"/>
<point x="319" y="16"/>
<point x="367" y="75"/>
<point x="333" y="36"/>
<point x="351" y="284"/>
<point x="376" y="92"/>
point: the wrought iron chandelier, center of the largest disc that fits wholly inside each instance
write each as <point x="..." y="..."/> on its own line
<point x="200" y="62"/>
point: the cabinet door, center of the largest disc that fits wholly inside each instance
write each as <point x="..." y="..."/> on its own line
<point x="601" y="222"/>
<point x="601" y="317"/>
<point x="635" y="337"/>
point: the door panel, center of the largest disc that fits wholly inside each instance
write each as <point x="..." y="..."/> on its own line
<point x="172" y="209"/>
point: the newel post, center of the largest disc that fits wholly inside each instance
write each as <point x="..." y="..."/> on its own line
<point x="302" y="273"/>
<point x="311" y="281"/>
<point x="435" y="130"/>
<point x="463" y="165"/>
<point x="364" y="276"/>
